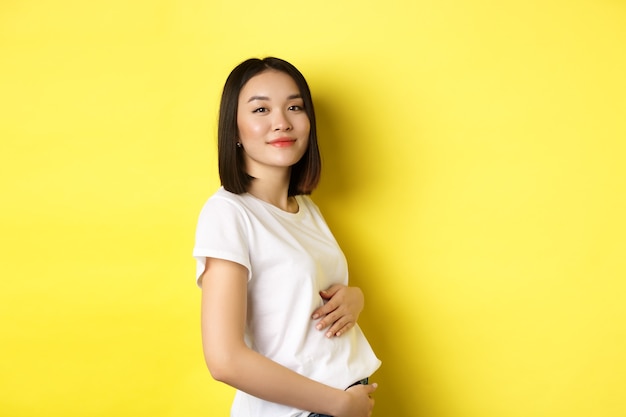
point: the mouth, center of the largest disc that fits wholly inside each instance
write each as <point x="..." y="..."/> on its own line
<point x="282" y="142"/>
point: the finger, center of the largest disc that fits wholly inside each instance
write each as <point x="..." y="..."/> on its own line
<point x="331" y="291"/>
<point x="319" y="312"/>
<point x="327" y="308"/>
<point x="326" y="321"/>
<point x="333" y="317"/>
<point x="339" y="328"/>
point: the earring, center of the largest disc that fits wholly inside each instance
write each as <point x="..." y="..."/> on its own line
<point x="239" y="144"/>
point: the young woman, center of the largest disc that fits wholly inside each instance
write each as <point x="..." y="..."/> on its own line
<point x="278" y="319"/>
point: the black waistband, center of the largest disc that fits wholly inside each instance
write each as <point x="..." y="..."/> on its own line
<point x="364" y="381"/>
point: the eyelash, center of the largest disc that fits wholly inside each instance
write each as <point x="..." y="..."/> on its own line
<point x="265" y="109"/>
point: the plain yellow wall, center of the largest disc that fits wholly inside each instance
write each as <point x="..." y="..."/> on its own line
<point x="474" y="174"/>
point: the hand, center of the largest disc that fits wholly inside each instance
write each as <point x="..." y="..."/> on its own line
<point x="341" y="311"/>
<point x="360" y="402"/>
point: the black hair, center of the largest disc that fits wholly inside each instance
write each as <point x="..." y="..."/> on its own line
<point x="305" y="174"/>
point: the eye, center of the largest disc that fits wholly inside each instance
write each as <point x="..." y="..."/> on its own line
<point x="260" y="110"/>
<point x="295" y="108"/>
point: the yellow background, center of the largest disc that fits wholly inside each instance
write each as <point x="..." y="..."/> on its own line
<point x="474" y="174"/>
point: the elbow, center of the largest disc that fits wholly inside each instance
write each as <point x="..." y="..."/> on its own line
<point x="223" y="368"/>
<point x="219" y="372"/>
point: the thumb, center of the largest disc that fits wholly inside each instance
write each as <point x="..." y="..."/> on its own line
<point x="372" y="387"/>
<point x="330" y="291"/>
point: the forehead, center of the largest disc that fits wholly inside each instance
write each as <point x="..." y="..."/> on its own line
<point x="270" y="84"/>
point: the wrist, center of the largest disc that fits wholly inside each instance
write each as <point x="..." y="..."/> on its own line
<point x="341" y="403"/>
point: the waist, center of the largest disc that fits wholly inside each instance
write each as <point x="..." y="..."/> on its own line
<point x="363" y="381"/>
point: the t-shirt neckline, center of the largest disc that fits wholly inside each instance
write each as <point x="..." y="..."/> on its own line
<point x="278" y="210"/>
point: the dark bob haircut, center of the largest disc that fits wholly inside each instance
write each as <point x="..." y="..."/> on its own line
<point x="305" y="174"/>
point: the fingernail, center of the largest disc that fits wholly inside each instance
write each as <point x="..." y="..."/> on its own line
<point x="329" y="334"/>
<point x="319" y="326"/>
<point x="315" y="316"/>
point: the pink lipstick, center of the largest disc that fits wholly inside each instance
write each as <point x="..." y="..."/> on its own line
<point x="282" y="142"/>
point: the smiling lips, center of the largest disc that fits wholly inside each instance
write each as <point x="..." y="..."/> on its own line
<point x="282" y="142"/>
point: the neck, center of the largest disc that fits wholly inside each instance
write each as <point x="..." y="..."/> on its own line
<point x="274" y="190"/>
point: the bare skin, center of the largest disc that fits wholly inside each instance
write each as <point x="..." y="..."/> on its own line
<point x="341" y="311"/>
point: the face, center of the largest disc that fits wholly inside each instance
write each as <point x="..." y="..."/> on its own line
<point x="273" y="126"/>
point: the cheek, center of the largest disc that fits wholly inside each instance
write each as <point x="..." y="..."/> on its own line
<point x="304" y="125"/>
<point x="248" y="128"/>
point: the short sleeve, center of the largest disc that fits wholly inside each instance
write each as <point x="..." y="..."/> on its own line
<point x="222" y="233"/>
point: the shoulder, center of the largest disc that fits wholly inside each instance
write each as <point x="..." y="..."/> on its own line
<point x="308" y="203"/>
<point x="223" y="206"/>
<point x="223" y="200"/>
<point x="222" y="195"/>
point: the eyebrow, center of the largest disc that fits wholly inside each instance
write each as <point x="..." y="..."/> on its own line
<point x="265" y="98"/>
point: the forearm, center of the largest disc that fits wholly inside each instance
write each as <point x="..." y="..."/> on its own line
<point x="248" y="371"/>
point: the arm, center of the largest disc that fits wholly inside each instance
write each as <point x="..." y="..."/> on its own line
<point x="224" y="299"/>
<point x="341" y="311"/>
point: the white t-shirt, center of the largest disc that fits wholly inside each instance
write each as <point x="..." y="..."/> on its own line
<point x="290" y="257"/>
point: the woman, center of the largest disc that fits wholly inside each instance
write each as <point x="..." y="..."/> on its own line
<point x="278" y="319"/>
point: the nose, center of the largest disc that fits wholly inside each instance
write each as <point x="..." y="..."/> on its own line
<point x="281" y="121"/>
